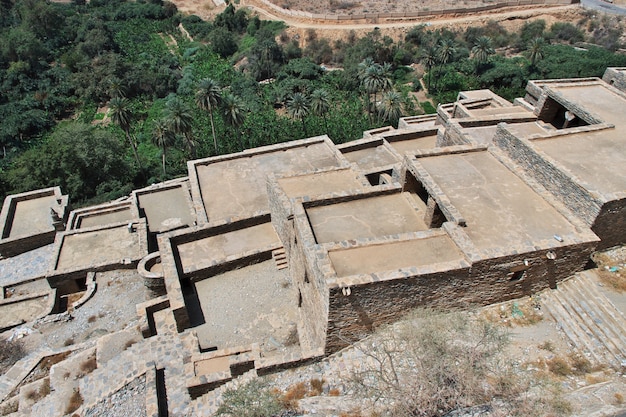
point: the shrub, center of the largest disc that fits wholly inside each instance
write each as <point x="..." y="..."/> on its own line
<point x="253" y="399"/>
<point x="10" y="352"/>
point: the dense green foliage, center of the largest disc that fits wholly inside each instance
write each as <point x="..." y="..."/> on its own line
<point x="112" y="95"/>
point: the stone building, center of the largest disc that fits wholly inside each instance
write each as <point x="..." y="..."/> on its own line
<point x="483" y="202"/>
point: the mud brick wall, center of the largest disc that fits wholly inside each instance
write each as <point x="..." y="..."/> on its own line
<point x="564" y="188"/>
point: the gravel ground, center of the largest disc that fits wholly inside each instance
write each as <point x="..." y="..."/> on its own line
<point x="111" y="309"/>
<point x="130" y="401"/>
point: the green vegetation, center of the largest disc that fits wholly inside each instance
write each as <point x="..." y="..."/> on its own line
<point x="107" y="96"/>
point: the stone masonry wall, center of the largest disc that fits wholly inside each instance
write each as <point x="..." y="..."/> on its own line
<point x="611" y="223"/>
<point x="539" y="167"/>
<point x="615" y="77"/>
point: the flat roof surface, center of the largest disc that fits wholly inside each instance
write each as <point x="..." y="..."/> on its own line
<point x="499" y="208"/>
<point x="598" y="158"/>
<point x="255" y="304"/>
<point x="411" y="145"/>
<point x="32" y="216"/>
<point x="597" y="99"/>
<point x="236" y="187"/>
<point x="166" y="208"/>
<point x="98" y="247"/>
<point x="105" y="217"/>
<point x="392" y="256"/>
<point x="367" y="218"/>
<point x="203" y="253"/>
<point x="482" y="135"/>
<point x="320" y="183"/>
<point x="370" y="157"/>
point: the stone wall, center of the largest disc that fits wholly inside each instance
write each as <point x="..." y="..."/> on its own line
<point x="543" y="170"/>
<point x="413" y="15"/>
<point x="615" y="77"/>
<point x="611" y="223"/>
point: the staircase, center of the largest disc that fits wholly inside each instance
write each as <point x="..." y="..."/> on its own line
<point x="589" y="319"/>
<point x="280" y="257"/>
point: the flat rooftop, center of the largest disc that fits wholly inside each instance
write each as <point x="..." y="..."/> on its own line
<point x="412" y="141"/>
<point x="236" y="187"/>
<point x="166" y="208"/>
<point x="206" y="252"/>
<point x="367" y="218"/>
<point x="103" y="218"/>
<point x="393" y="256"/>
<point x="370" y="157"/>
<point x="108" y="246"/>
<point x="32" y="216"/>
<point x="597" y="158"/>
<point x="320" y="183"/>
<point x="499" y="208"/>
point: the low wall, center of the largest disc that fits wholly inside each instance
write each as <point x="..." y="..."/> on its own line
<point x="415" y="14"/>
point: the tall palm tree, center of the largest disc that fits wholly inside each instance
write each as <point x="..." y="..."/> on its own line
<point x="535" y="47"/>
<point x="208" y="97"/>
<point x="429" y="58"/>
<point x="162" y="137"/>
<point x="298" y="107"/>
<point x="390" y="108"/>
<point x="482" y="50"/>
<point x="320" y="104"/>
<point x="234" y="112"/>
<point x="116" y="88"/>
<point x="445" y="51"/>
<point x="121" y="115"/>
<point x="376" y="78"/>
<point x="364" y="68"/>
<point x="180" y="121"/>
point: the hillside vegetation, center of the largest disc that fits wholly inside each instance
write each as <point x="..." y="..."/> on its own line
<point x="104" y="97"/>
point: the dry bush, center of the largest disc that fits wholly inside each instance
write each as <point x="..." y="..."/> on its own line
<point x="334" y="392"/>
<point x="559" y="366"/>
<point x="317" y="387"/>
<point x="619" y="398"/>
<point x="76" y="400"/>
<point x="434" y="363"/>
<point x="88" y="365"/>
<point x="91" y="319"/>
<point x="547" y="345"/>
<point x="10" y="352"/>
<point x="253" y="399"/>
<point x="41" y="392"/>
<point x="289" y="400"/>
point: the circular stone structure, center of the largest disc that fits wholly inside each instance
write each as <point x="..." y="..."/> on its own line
<point x="152" y="272"/>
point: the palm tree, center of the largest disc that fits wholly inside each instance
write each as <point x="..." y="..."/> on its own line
<point x="363" y="69"/>
<point x="298" y="107"/>
<point x="234" y="113"/>
<point x="445" y="51"/>
<point x="376" y="78"/>
<point x="116" y="88"/>
<point x="390" y="107"/>
<point x="482" y="50"/>
<point x="180" y="121"/>
<point x="320" y="104"/>
<point x="208" y="97"/>
<point x="429" y="58"/>
<point x="535" y="47"/>
<point x="121" y="115"/>
<point x="162" y="137"/>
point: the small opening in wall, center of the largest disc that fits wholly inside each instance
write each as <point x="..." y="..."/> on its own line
<point x="306" y="277"/>
<point x="517" y="276"/>
<point x="299" y="299"/>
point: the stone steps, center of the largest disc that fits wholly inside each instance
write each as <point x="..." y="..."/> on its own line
<point x="589" y="319"/>
<point x="280" y="258"/>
